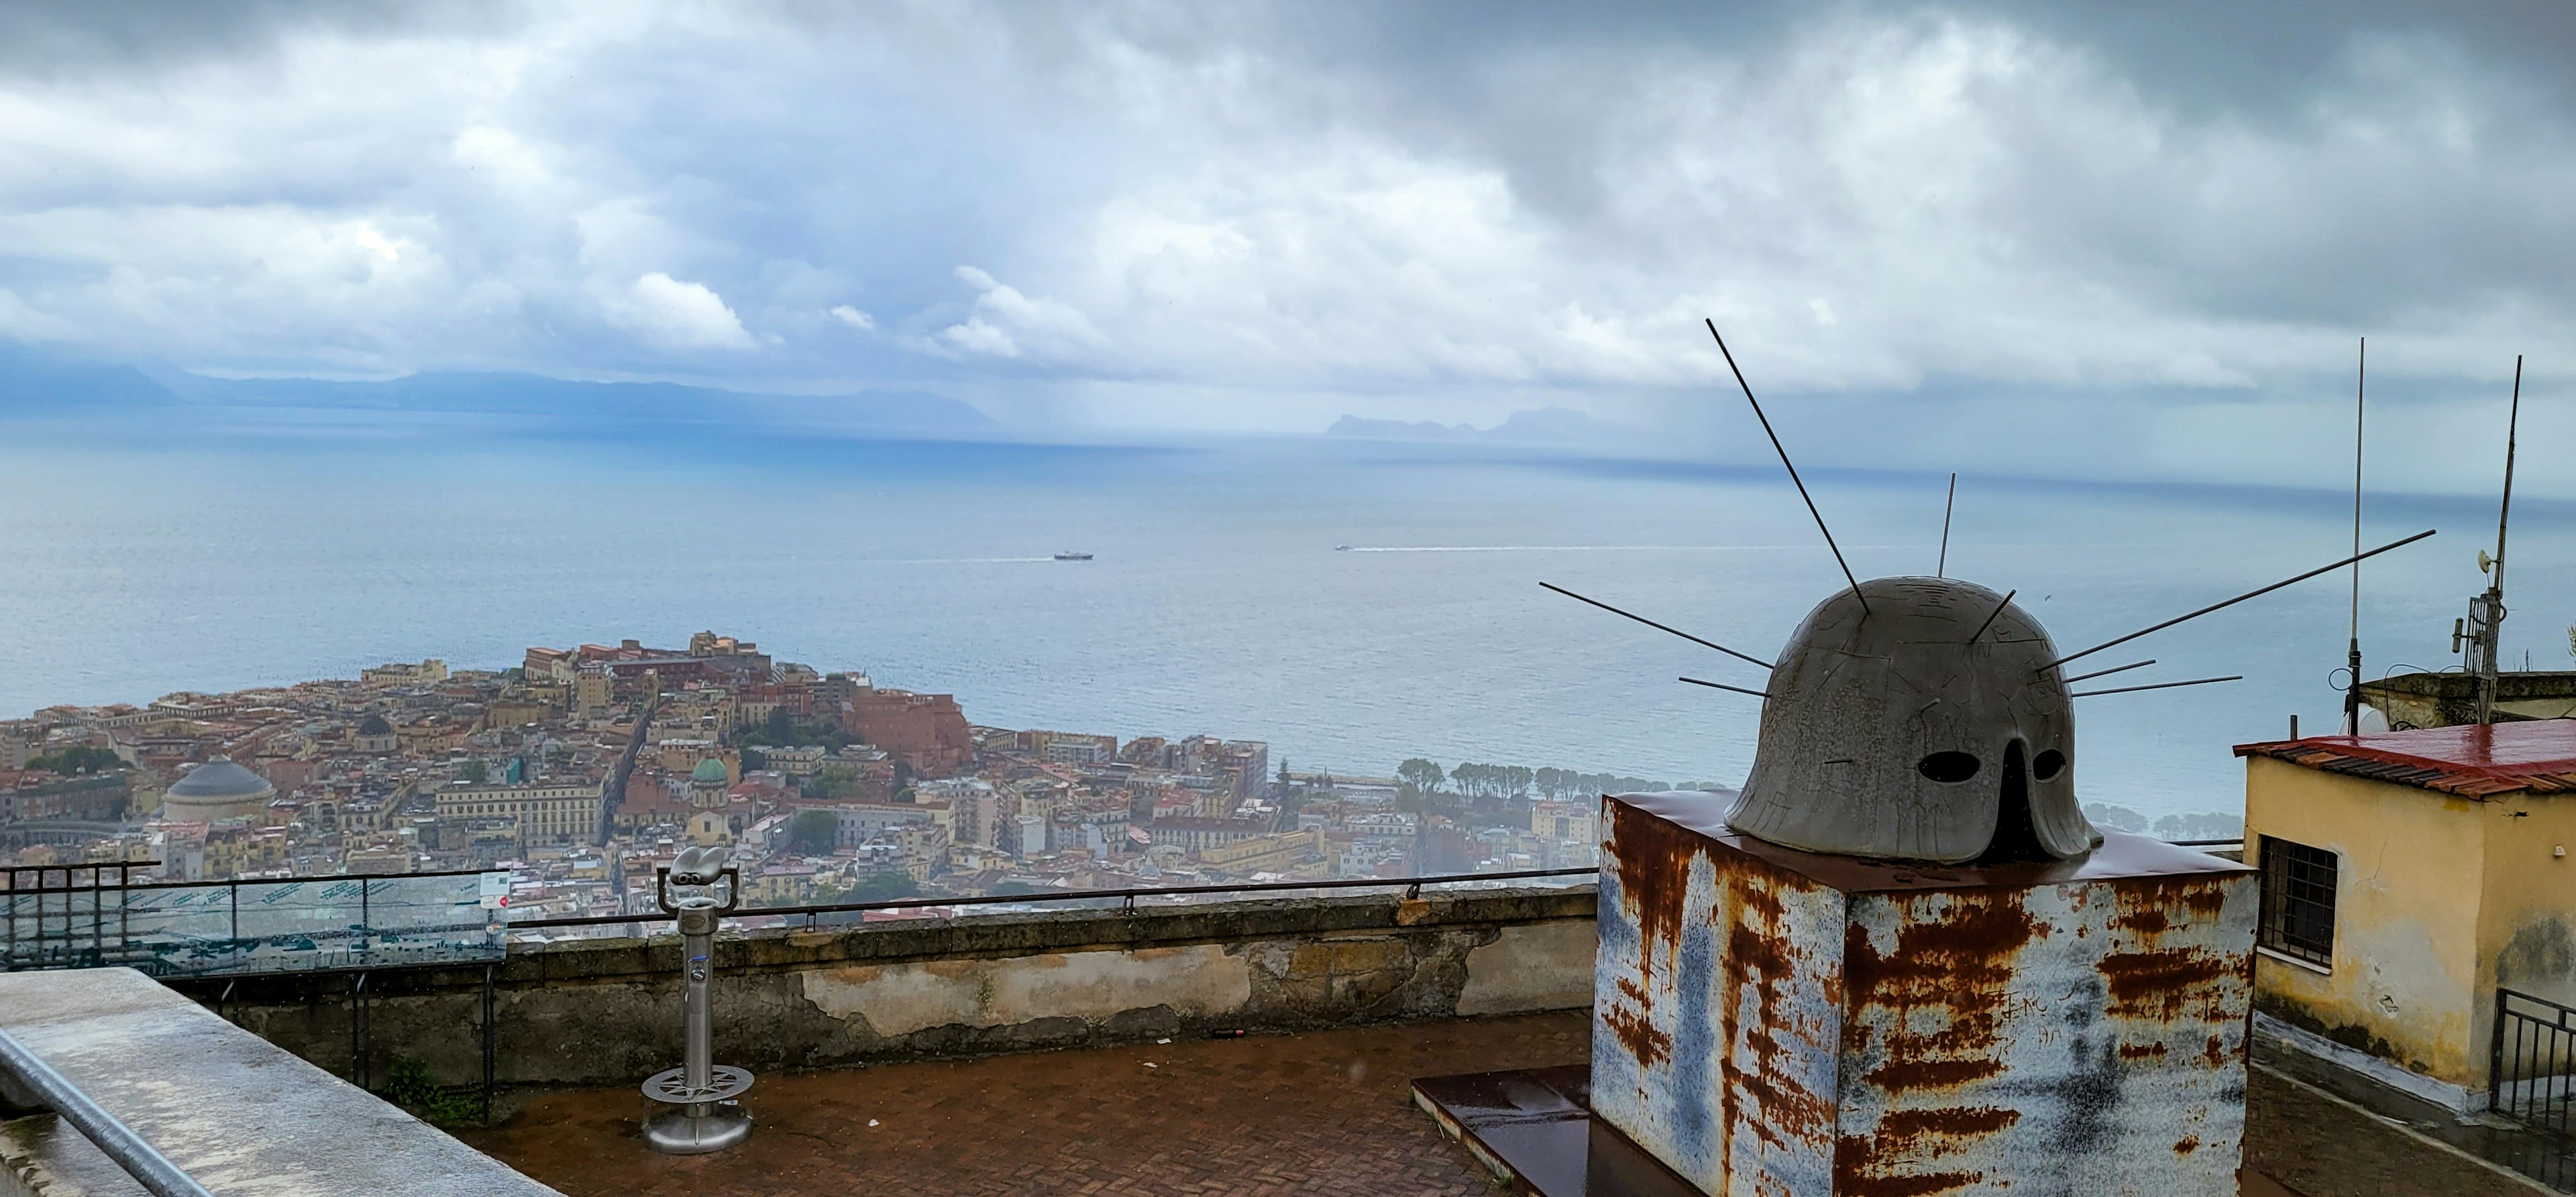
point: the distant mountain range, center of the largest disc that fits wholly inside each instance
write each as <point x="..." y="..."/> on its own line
<point x="36" y="383"/>
<point x="1553" y="426"/>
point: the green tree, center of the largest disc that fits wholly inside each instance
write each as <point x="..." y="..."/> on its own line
<point x="1421" y="774"/>
<point x="883" y="887"/>
<point x="79" y="758"/>
<point x="753" y="758"/>
<point x="474" y="771"/>
<point x="813" y="832"/>
<point x="833" y="782"/>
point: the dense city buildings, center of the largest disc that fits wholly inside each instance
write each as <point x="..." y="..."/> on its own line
<point x="582" y="770"/>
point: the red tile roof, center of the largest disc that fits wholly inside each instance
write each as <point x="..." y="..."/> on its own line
<point x="2536" y="756"/>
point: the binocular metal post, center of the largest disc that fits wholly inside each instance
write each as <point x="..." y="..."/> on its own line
<point x="704" y="1113"/>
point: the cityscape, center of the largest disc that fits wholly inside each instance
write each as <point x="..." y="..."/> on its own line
<point x="582" y="771"/>
<point x="1118" y="597"/>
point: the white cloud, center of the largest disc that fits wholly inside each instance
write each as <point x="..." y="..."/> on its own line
<point x="678" y="314"/>
<point x="1007" y="323"/>
<point x="1274" y="212"/>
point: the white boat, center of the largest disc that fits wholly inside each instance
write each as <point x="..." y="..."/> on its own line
<point x="1341" y="548"/>
<point x="1072" y="555"/>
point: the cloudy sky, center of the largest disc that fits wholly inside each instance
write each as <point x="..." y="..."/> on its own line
<point x="1981" y="233"/>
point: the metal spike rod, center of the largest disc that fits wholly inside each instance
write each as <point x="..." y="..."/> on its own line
<point x="2198" y="681"/>
<point x="2086" y="677"/>
<point x="1792" y="466"/>
<point x="1990" y="616"/>
<point x="1658" y="627"/>
<point x="2328" y="568"/>
<point x="1942" y="569"/>
<point x="1723" y="686"/>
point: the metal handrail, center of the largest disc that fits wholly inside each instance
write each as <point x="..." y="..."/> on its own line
<point x="116" y="1140"/>
<point x="1413" y="888"/>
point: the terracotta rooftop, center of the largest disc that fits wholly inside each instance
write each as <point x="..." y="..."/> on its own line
<point x="2473" y="761"/>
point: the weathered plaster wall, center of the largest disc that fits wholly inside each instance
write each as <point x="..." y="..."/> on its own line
<point x="2405" y="983"/>
<point x="2527" y="917"/>
<point x="598" y="1012"/>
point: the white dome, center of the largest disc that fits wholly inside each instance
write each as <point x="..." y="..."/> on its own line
<point x="218" y="789"/>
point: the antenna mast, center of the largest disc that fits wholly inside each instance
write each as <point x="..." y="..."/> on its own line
<point x="2486" y="612"/>
<point x="2352" y="694"/>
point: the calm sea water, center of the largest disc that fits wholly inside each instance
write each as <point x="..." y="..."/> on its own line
<point x="232" y="549"/>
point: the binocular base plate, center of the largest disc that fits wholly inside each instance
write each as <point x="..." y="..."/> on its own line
<point x="680" y="1131"/>
<point x="671" y="1087"/>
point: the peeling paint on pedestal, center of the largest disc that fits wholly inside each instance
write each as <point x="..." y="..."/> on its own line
<point x="1770" y="1022"/>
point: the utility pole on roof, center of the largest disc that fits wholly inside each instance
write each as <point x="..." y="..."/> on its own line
<point x="2486" y="612"/>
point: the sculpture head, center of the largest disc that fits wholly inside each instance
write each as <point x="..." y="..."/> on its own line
<point x="1919" y="730"/>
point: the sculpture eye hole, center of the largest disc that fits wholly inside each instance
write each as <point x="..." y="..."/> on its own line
<point x="1948" y="766"/>
<point x="2047" y="764"/>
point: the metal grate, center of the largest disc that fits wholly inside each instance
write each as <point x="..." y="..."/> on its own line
<point x="2535" y="1054"/>
<point x="2298" y="900"/>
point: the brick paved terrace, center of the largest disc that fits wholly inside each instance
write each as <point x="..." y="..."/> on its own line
<point x="1326" y="1112"/>
<point x="1322" y="1112"/>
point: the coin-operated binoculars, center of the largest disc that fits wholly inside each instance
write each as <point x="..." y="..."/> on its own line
<point x="705" y="1115"/>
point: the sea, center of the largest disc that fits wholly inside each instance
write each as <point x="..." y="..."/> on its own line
<point x="1352" y="603"/>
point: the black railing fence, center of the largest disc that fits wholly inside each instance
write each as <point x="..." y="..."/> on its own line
<point x="812" y="913"/>
<point x="2534" y="1061"/>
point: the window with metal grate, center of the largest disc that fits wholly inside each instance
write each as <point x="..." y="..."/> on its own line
<point x="2298" y="900"/>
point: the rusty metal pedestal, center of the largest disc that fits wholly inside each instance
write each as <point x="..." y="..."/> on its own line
<point x="1767" y="1020"/>
<point x="1533" y="1132"/>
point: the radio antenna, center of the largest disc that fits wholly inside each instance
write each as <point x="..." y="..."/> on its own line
<point x="2329" y="568"/>
<point x="2352" y="693"/>
<point x="2484" y="650"/>
<point x="1792" y="467"/>
<point x="1942" y="570"/>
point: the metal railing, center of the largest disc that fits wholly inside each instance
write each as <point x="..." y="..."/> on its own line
<point x="1126" y="897"/>
<point x="78" y="917"/>
<point x="117" y="1141"/>
<point x="2532" y="1066"/>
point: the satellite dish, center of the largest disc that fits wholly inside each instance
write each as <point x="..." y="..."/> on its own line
<point x="2485" y="562"/>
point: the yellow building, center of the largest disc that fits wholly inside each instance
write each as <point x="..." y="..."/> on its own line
<point x="1277" y="853"/>
<point x="544" y="812"/>
<point x="2415" y="884"/>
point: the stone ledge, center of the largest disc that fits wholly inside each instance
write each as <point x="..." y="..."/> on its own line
<point x="235" y="1112"/>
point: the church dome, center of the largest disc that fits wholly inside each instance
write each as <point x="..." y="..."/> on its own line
<point x="218" y="789"/>
<point x="375" y="725"/>
<point x="710" y="772"/>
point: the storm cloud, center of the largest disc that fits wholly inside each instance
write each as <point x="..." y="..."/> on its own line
<point x="2094" y="226"/>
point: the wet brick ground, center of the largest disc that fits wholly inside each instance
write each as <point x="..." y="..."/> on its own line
<point x="1319" y="1113"/>
<point x="1325" y="1113"/>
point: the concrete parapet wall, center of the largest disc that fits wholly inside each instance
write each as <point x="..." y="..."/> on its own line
<point x="607" y="1011"/>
